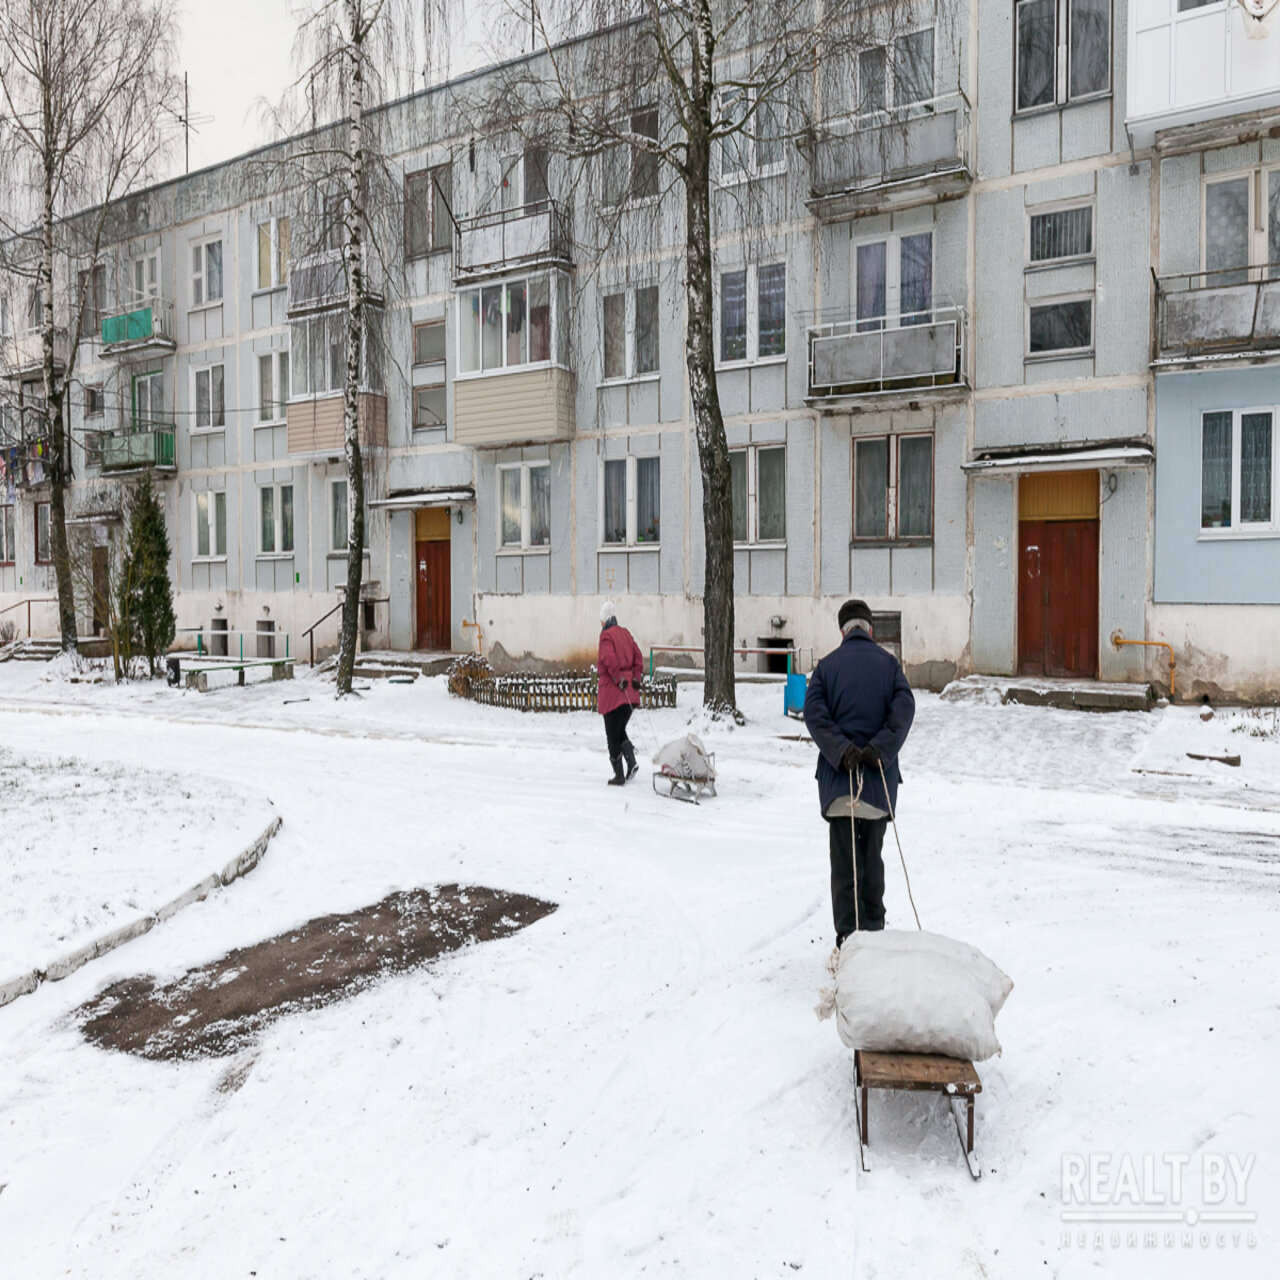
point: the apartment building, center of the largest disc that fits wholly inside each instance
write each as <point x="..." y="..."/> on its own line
<point x="975" y="350"/>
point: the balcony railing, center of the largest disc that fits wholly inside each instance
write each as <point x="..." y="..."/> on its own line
<point x="319" y="282"/>
<point x="22" y="355"/>
<point x="26" y="463"/>
<point x="146" y="326"/>
<point x="145" y="444"/>
<point x="534" y="234"/>
<point x="897" y="158"/>
<point x="1218" y="313"/>
<point x="902" y="354"/>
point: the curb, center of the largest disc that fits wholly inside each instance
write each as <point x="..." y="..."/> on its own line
<point x="25" y="983"/>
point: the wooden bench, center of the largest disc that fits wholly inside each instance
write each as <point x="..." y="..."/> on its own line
<point x="920" y="1072"/>
<point x="198" y="677"/>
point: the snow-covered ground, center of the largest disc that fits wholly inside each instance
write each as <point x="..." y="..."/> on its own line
<point x="637" y="1085"/>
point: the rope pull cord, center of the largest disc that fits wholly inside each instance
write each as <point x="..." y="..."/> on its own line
<point x="901" y="856"/>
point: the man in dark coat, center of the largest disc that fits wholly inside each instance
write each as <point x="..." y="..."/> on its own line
<point x="858" y="709"/>
<point x="620" y="667"/>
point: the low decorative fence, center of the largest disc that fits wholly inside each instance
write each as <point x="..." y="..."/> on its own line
<point x="472" y="677"/>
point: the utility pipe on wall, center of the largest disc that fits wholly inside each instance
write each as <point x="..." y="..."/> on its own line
<point x="1118" y="640"/>
<point x="479" y="634"/>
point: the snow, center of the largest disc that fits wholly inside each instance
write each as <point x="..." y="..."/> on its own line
<point x="637" y="1085"/>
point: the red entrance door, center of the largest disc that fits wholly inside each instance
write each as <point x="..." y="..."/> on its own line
<point x="1058" y="598"/>
<point x="434" y="620"/>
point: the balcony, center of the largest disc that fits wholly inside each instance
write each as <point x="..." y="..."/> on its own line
<point x="906" y="356"/>
<point x="315" y="425"/>
<point x="22" y="356"/>
<point x="143" y="446"/>
<point x="510" y="239"/>
<point x="26" y="462"/>
<point x="1216" y="316"/>
<point x="145" y="329"/>
<point x="892" y="161"/>
<point x="1196" y="66"/>
<point x="526" y="406"/>
<point x="319" y="282"/>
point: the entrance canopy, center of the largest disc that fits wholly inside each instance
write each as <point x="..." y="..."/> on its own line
<point x="1140" y="455"/>
<point x="410" y="499"/>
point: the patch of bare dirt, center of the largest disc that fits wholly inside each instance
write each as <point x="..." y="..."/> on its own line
<point x="219" y="1009"/>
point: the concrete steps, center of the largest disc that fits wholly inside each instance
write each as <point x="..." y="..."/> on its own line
<point x="37" y="649"/>
<point x="1070" y="695"/>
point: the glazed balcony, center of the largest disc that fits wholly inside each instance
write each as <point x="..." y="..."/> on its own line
<point x="1218" y="315"/>
<point x="538" y="234"/>
<point x="892" y="160"/>
<point x="319" y="282"/>
<point x="521" y="406"/>
<point x="905" y="355"/>
<point x="315" y="424"/>
<point x="146" y="328"/>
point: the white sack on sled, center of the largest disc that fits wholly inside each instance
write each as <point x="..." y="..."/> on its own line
<point x="685" y="758"/>
<point x="990" y="979"/>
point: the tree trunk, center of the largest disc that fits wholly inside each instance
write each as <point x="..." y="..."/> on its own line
<point x="713" y="446"/>
<point x="355" y="334"/>
<point x="55" y="427"/>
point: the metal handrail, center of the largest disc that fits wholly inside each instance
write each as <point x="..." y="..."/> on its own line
<point x="29" y="602"/>
<point x="1255" y="274"/>
<point x="697" y="648"/>
<point x="309" y="633"/>
<point x="558" y="244"/>
<point x="875" y="327"/>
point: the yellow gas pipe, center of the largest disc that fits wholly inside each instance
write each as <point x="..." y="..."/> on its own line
<point x="1118" y="640"/>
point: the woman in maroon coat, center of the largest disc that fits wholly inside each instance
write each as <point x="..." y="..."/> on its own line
<point x="620" y="667"/>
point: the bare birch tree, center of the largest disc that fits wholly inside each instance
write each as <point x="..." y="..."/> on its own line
<point x="724" y="75"/>
<point x="84" y="88"/>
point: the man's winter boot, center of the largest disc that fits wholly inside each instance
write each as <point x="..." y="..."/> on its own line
<point x="629" y="755"/>
<point x="617" y="780"/>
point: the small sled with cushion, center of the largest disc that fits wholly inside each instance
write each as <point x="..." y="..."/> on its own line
<point x="685" y="770"/>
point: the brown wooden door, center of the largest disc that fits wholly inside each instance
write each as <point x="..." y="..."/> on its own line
<point x="101" y="588"/>
<point x="1058" y="598"/>
<point x="434" y="618"/>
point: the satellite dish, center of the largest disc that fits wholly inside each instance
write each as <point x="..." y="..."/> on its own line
<point x="1258" y="15"/>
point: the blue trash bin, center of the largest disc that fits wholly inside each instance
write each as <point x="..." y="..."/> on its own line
<point x="795" y="690"/>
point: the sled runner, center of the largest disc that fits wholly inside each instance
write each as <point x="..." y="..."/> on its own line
<point x="920" y="1072"/>
<point x="686" y="770"/>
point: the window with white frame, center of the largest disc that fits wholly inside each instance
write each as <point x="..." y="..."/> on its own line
<point x="758" y="480"/>
<point x="753" y="313"/>
<point x="144" y="276"/>
<point x="338" y="537"/>
<point x="95" y="400"/>
<point x="1062" y="51"/>
<point x="630" y="502"/>
<point x="630" y="169"/>
<point x="91" y="292"/>
<point x="35" y="307"/>
<point x="1232" y="239"/>
<point x="148" y="398"/>
<point x="210" y="398"/>
<point x="318" y="353"/>
<point x="275" y="519"/>
<point x="430" y="395"/>
<point x="273" y="385"/>
<point x="211" y="525"/>
<point x="1238" y="471"/>
<point x="880" y="78"/>
<point x="1056" y="236"/>
<point x="630" y="323"/>
<point x="206" y="273"/>
<point x="524" y="178"/>
<point x="4" y="315"/>
<point x="756" y="145"/>
<point x="44" y="537"/>
<point x="1060" y="326"/>
<point x="893" y="281"/>
<point x="8" y="547"/>
<point x="428" y="224"/>
<point x="524" y="506"/>
<point x="892" y="487"/>
<point x="273" y="253"/>
<point x="512" y="323"/>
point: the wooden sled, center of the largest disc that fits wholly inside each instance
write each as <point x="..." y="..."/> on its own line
<point x="679" y="787"/>
<point x="926" y="1072"/>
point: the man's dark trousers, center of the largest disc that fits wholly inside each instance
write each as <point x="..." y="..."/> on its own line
<point x="869" y="836"/>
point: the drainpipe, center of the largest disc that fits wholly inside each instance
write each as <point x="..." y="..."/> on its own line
<point x="1118" y="640"/>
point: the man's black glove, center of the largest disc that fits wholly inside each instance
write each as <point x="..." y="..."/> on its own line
<point x="854" y="756"/>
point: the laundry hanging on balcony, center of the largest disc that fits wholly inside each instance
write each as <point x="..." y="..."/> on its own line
<point x="1259" y="17"/>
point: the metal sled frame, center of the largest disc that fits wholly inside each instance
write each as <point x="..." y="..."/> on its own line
<point x="920" y="1072"/>
<point x="689" y="789"/>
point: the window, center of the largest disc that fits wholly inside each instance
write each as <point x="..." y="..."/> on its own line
<point x="428" y="223"/>
<point x="338" y="539"/>
<point x="1063" y="51"/>
<point x="630" y="170"/>
<point x="35" y="308"/>
<point x="893" y="281"/>
<point x="211" y="411"/>
<point x="1232" y="241"/>
<point x="1060" y="235"/>
<point x="275" y="519"/>
<point x="44" y="540"/>
<point x="8" y="548"/>
<point x="211" y="525"/>
<point x="630" y="502"/>
<point x="318" y="354"/>
<point x="273" y="385"/>
<point x="273" y="253"/>
<point x="758" y="480"/>
<point x="1238" y="471"/>
<point x="148" y="399"/>
<point x="631" y="333"/>
<point x="1063" y="326"/>
<point x="206" y="273"/>
<point x="428" y="342"/>
<point x="524" y="505"/>
<point x="430" y="397"/>
<point x="756" y="147"/>
<point x="753" y="313"/>
<point x="91" y="289"/>
<point x="888" y="76"/>
<point x="94" y="401"/>
<point x="509" y="324"/>
<point x="892" y="487"/>
<point x="913" y="68"/>
<point x="144" y="277"/>
<point x="524" y="179"/>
